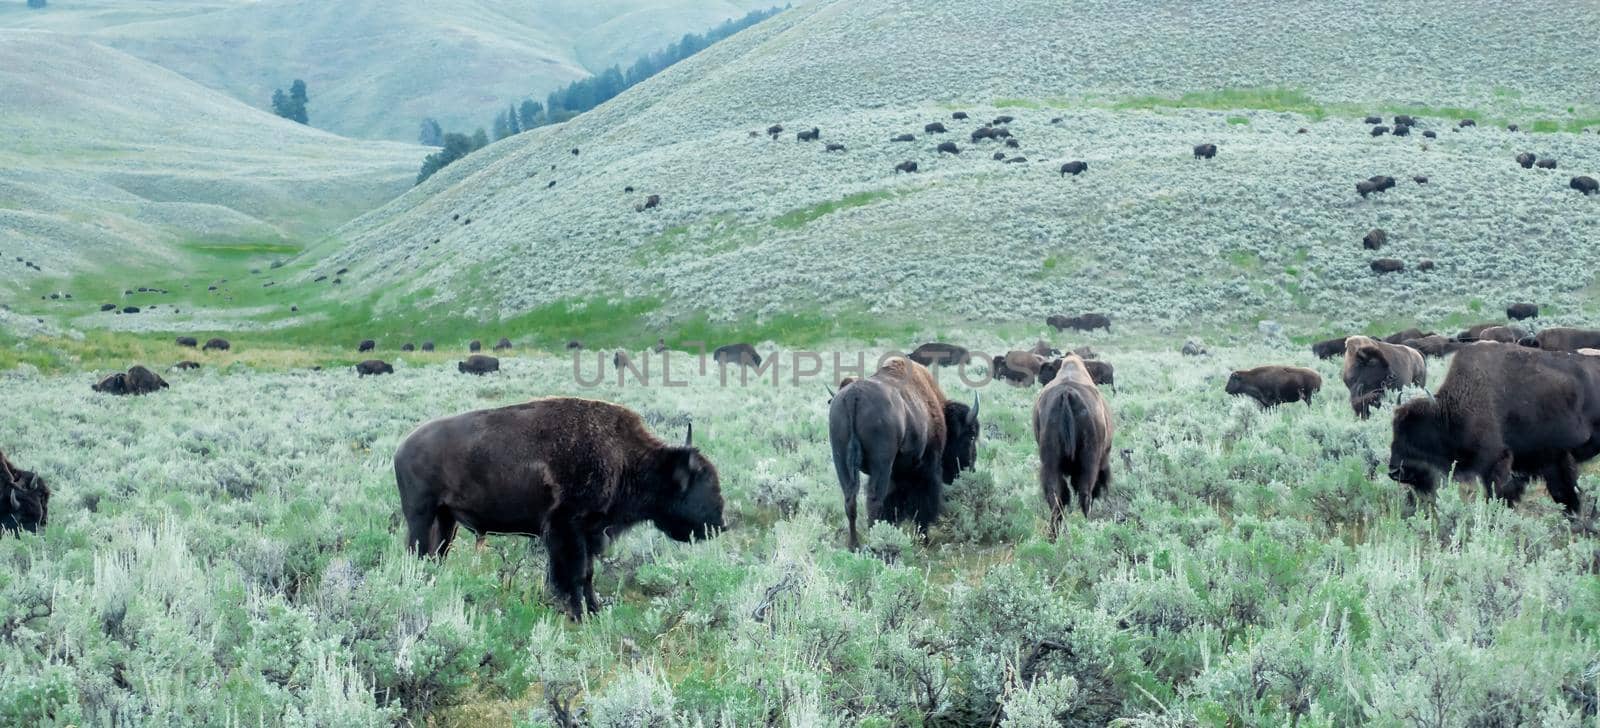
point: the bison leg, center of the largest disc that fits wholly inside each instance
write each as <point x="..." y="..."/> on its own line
<point x="420" y="529"/>
<point x="596" y="545"/>
<point x="1497" y="478"/>
<point x="1561" y="479"/>
<point x="880" y="482"/>
<point x="444" y="532"/>
<point x="1085" y="477"/>
<point x="1056" y="495"/>
<point x="569" y="562"/>
<point x="1102" y="482"/>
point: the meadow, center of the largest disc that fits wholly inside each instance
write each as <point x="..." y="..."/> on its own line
<point x="229" y="551"/>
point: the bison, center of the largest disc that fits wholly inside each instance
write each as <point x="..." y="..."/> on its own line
<point x="137" y="381"/>
<point x="574" y="472"/>
<point x="897" y="427"/>
<point x="934" y="128"/>
<point x="959" y="115"/>
<point x="1374" y="120"/>
<point x="24" y="499"/>
<point x="1074" y="168"/>
<point x="1387" y="265"/>
<point x="1274" y="385"/>
<point x="1045" y="349"/>
<point x="1405" y="119"/>
<point x="366" y="345"/>
<point x="1502" y="415"/>
<point x="774" y="130"/>
<point x="1546" y="163"/>
<point x="809" y="136"/>
<point x="1018" y="367"/>
<point x="1473" y="332"/>
<point x="903" y="138"/>
<point x="1375" y="238"/>
<point x="475" y="346"/>
<point x="1101" y="372"/>
<point x="188" y="342"/>
<point x="1401" y="130"/>
<point x="907" y="166"/>
<point x="1372" y="367"/>
<point x="936" y="354"/>
<point x="1205" y="151"/>
<point x="1526" y="159"/>
<point x="478" y="364"/>
<point x="650" y="203"/>
<point x="741" y="354"/>
<point x="1585" y="184"/>
<point x="1433" y="345"/>
<point x="1073" y="429"/>
<point x="1380" y="130"/>
<point x="833" y="147"/>
<point x="1083" y="322"/>
<point x="1502" y="334"/>
<point x="949" y="148"/>
<point x="1522" y="311"/>
<point x="1003" y="120"/>
<point x="216" y="345"/>
<point x="1329" y="348"/>
<point x="373" y="367"/>
<point x="504" y="344"/>
<point x="620" y="360"/>
<point x="408" y="347"/>
<point x="1563" y="339"/>
<point x="1464" y="123"/>
<point x="427" y="346"/>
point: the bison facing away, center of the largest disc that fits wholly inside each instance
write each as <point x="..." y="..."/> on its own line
<point x="574" y="472"/>
<point x="897" y="428"/>
<point x="1372" y="367"/>
<point x="478" y="364"/>
<point x="1503" y="415"/>
<point x="1330" y="348"/>
<point x="936" y="354"/>
<point x="373" y="367"/>
<point x="1073" y="429"/>
<point x="907" y="166"/>
<point x="1018" y="367"/>
<point x="1275" y="385"/>
<point x="24" y="499"/>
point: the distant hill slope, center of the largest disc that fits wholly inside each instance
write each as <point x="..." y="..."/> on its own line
<point x="1272" y="226"/>
<point x="108" y="161"/>
<point x="376" y="68"/>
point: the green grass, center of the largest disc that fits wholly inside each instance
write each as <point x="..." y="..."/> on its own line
<point x="796" y="219"/>
<point x="1239" y="120"/>
<point x="1010" y="103"/>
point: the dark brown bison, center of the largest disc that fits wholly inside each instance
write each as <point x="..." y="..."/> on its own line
<point x="574" y="472"/>
<point x="1426" y="264"/>
<point x="934" y="128"/>
<point x="1045" y="349"/>
<point x="1380" y="130"/>
<point x="475" y="346"/>
<point x="1274" y="385"/>
<point x="408" y="347"/>
<point x="1375" y="183"/>
<point x="1330" y="348"/>
<point x="216" y="345"/>
<point x="1546" y="163"/>
<point x="833" y="147"/>
<point x="1526" y="159"/>
<point x="1563" y="339"/>
<point x="1434" y="345"/>
<point x="949" y="148"/>
<point x="1372" y="367"/>
<point x="1401" y="130"/>
<point x="188" y="341"/>
<point x="1464" y="123"/>
<point x="108" y="307"/>
<point x="741" y="354"/>
<point x="136" y="381"/>
<point x="1400" y="337"/>
<point x="1375" y="238"/>
<point x="907" y="166"/>
<point x="1429" y="135"/>
<point x="186" y="365"/>
<point x="1374" y="120"/>
<point x="959" y="115"/>
<point x="1083" y="322"/>
<point x="574" y="345"/>
<point x="427" y="346"/>
<point x="1002" y="120"/>
<point x="1405" y="119"/>
<point x="24" y="499"/>
<point x="366" y="345"/>
<point x="1074" y="168"/>
<point x="504" y="344"/>
<point x="897" y="427"/>
<point x="1502" y="415"/>
<point x="774" y="130"/>
<point x="373" y="367"/>
<point x="1073" y="429"/>
<point x="1205" y="151"/>
<point x="1018" y="367"/>
<point x="1101" y="372"/>
<point x="478" y="364"/>
<point x="620" y="360"/>
<point x="1503" y="334"/>
<point x="1475" y="331"/>
<point x="650" y="203"/>
<point x="1585" y="184"/>
<point x="1387" y="265"/>
<point x="936" y="354"/>
<point x="1522" y="311"/>
<point x="903" y="138"/>
<point x="809" y="136"/>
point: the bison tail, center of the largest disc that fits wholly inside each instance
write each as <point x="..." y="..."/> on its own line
<point x="1069" y="424"/>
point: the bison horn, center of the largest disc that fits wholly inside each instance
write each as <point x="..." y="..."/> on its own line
<point x="974" y="407"/>
<point x="688" y="440"/>
<point x="831" y="393"/>
<point x="15" y="504"/>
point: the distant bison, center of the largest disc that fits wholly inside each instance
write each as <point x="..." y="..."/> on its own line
<point x="1526" y="159"/>
<point x="1464" y="123"/>
<point x="1387" y="265"/>
<point x="1373" y="367"/>
<point x="949" y="148"/>
<point x="775" y="130"/>
<point x="1330" y="348"/>
<point x="373" y="367"/>
<point x="741" y="354"/>
<point x="650" y="203"/>
<point x="504" y="344"/>
<point x="1380" y="130"/>
<point x="809" y="136"/>
<point x="959" y="115"/>
<point x="903" y="138"/>
<point x="1586" y="185"/>
<point x="188" y="341"/>
<point x="1045" y="349"/>
<point x="1002" y="120"/>
<point x="216" y="345"/>
<point x="574" y="472"/>
<point x="1083" y="322"/>
<point x="186" y="365"/>
<point x="1404" y="119"/>
<point x="108" y="307"/>
<point x="367" y="345"/>
<point x="1073" y="429"/>
<point x="1400" y="337"/>
<point x="1374" y="120"/>
<point x="1018" y="367"/>
<point x="1420" y="179"/>
<point x="1503" y="334"/>
<point x="1274" y="385"/>
<point x="1102" y="373"/>
<point x="936" y="354"/>
<point x="1375" y="239"/>
<point x="427" y="346"/>
<point x="137" y="381"/>
<point x="478" y="364"/>
<point x="1563" y="339"/>
<point x="1401" y="130"/>
<point x="1522" y="311"/>
<point x="24" y="499"/>
<point x="833" y="147"/>
<point x="1433" y="345"/>
<point x="620" y="360"/>
<point x="934" y="128"/>
<point x="907" y="166"/>
<point x="1546" y="163"/>
<point x="1205" y="151"/>
<point x="408" y="347"/>
<point x="1426" y="264"/>
<point x="475" y="345"/>
<point x="1473" y="332"/>
<point x="1074" y="168"/>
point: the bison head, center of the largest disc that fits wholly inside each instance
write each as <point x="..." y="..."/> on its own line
<point x="1235" y="384"/>
<point x="694" y="499"/>
<point x="1418" y="449"/>
<point x="1049" y="370"/>
<point x="24" y="501"/>
<point x="960" y="438"/>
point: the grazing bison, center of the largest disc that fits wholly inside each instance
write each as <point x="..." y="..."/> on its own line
<point x="809" y="136"/>
<point x="1563" y="339"/>
<point x="1375" y="238"/>
<point x="1502" y="415"/>
<point x="1018" y="367"/>
<point x="1585" y="184"/>
<point x="897" y="427"/>
<point x="373" y="367"/>
<point x="959" y="115"/>
<point x="1205" y="151"/>
<point x="949" y="148"/>
<point x="366" y="345"/>
<point x="574" y="472"/>
<point x="504" y="344"/>
<point x="188" y="341"/>
<point x="1475" y="331"/>
<point x="833" y="147"/>
<point x="999" y="156"/>
<point x="574" y="345"/>
<point x="475" y="346"/>
<point x="1404" y="119"/>
<point x="216" y="345"/>
<point x="1433" y="345"/>
<point x="1522" y="311"/>
<point x="741" y="354"/>
<point x="620" y="360"/>
<point x="1084" y="322"/>
<point x="1464" y="123"/>
<point x="903" y="138"/>
<point x="1073" y="429"/>
<point x="408" y="347"/>
<point x="1526" y="159"/>
<point x="1546" y="163"/>
<point x="130" y="309"/>
<point x="934" y="128"/>
<point x="1380" y="130"/>
<point x="24" y="499"/>
<point x="650" y="203"/>
<point x="1074" y="168"/>
<point x="1044" y="349"/>
<point x="1330" y="348"/>
<point x="1400" y="337"/>
<point x="1274" y="385"/>
<point x="1503" y="334"/>
<point x="1102" y="373"/>
<point x="1002" y="120"/>
<point x="137" y="381"/>
<point x="1430" y="135"/>
<point x="478" y="364"/>
<point x="108" y="307"/>
<point x="1426" y="264"/>
<point x="1401" y="130"/>
<point x="774" y="130"/>
<point x="1374" y="120"/>
<point x="1372" y="367"/>
<point x="1387" y="265"/>
<point x="186" y="365"/>
<point x="936" y="354"/>
<point x="427" y="346"/>
<point x="907" y="166"/>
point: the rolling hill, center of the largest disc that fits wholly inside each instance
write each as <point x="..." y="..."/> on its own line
<point x="752" y="227"/>
<point x="376" y="68"/>
<point x="111" y="163"/>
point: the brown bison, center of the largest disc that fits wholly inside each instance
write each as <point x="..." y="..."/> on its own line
<point x="948" y="148"/>
<point x="650" y="203"/>
<point x="1074" y="168"/>
<point x="1044" y="349"/>
<point x="833" y="147"/>
<point x="903" y="138"/>
<point x="1387" y="265"/>
<point x="1205" y="151"/>
<point x="373" y="367"/>
<point x="907" y="166"/>
<point x="1546" y="163"/>
<point x="366" y="345"/>
<point x="1585" y="184"/>
<point x="934" y="128"/>
<point x="478" y="364"/>
<point x="1073" y="429"/>
<point x="1473" y="332"/>
<point x="936" y="354"/>
<point x="1375" y="238"/>
<point x="186" y="365"/>
<point x="427" y="346"/>
<point x="408" y="347"/>
<point x="1084" y="322"/>
<point x="216" y="345"/>
<point x="1101" y="372"/>
<point x="1563" y="339"/>
<point x="897" y="427"/>
<point x="1522" y="311"/>
<point x="188" y="342"/>
<point x="959" y="115"/>
<point x="1018" y="367"/>
<point x="620" y="360"/>
<point x="1380" y="130"/>
<point x="1329" y="348"/>
<point x="1275" y="385"/>
<point x="1502" y="334"/>
<point x="1433" y="345"/>
<point x="1372" y="367"/>
<point x="24" y="499"/>
<point x="504" y="344"/>
<point x="574" y="472"/>
<point x="809" y="136"/>
<point x="137" y="381"/>
<point x="475" y="346"/>
<point x="1003" y="120"/>
<point x="1526" y="159"/>
<point x="741" y="354"/>
<point x="1503" y="415"/>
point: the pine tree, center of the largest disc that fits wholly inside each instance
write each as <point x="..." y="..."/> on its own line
<point x="531" y="113"/>
<point x="511" y="120"/>
<point x="36" y="4"/>
<point x="480" y="139"/>
<point x="431" y="135"/>
<point x="502" y="129"/>
<point x="280" y="104"/>
<point x="298" y="99"/>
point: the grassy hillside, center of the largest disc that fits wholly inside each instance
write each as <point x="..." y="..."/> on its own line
<point x="753" y="228"/>
<point x="376" y="68"/>
<point x="114" y="166"/>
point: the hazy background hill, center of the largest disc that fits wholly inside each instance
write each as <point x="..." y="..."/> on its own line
<point x="111" y="162"/>
<point x="376" y="68"/>
<point x="755" y="227"/>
